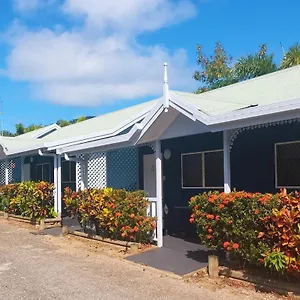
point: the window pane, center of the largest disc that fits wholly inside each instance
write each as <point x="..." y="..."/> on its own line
<point x="192" y="170"/>
<point x="46" y="172"/>
<point x="288" y="164"/>
<point x="73" y="171"/>
<point x="39" y="172"/>
<point x="65" y="167"/>
<point x="214" y="175"/>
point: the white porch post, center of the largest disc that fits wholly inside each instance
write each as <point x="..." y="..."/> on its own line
<point x="159" y="208"/>
<point x="226" y="158"/>
<point x="55" y="184"/>
<point x="6" y="172"/>
<point x="59" y="193"/>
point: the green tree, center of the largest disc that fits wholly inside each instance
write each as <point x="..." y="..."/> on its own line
<point x="254" y="65"/>
<point x="7" y="133"/>
<point x="63" y="123"/>
<point x="80" y="119"/>
<point x="291" y="57"/>
<point x="20" y="129"/>
<point x="215" y="71"/>
<point x="33" y="127"/>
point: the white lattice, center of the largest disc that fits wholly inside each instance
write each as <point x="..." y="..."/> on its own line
<point x="96" y="170"/>
<point x="14" y="170"/>
<point x="79" y="173"/>
<point x="2" y="172"/>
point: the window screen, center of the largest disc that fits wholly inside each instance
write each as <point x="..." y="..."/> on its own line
<point x="43" y="172"/>
<point x="68" y="171"/>
<point x="39" y="172"/>
<point x="203" y="170"/>
<point x="288" y="165"/>
<point x="192" y="170"/>
<point x="214" y="169"/>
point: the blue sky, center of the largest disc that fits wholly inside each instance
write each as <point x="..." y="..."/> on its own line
<point x="60" y="59"/>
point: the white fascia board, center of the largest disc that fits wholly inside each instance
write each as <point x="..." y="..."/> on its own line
<point x="99" y="144"/>
<point x="257" y="115"/>
<point x="22" y="151"/>
<point x="95" y="136"/>
<point x="47" y="130"/>
<point x="147" y="125"/>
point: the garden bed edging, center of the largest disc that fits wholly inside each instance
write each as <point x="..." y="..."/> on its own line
<point x="271" y="285"/>
<point x="42" y="224"/>
<point x="128" y="245"/>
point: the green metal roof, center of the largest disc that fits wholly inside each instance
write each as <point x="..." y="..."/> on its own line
<point x="101" y="123"/>
<point x="41" y="131"/>
<point x="272" y="88"/>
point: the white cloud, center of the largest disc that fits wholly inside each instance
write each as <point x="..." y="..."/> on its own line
<point x="100" y="62"/>
<point x="25" y="6"/>
<point x="136" y="15"/>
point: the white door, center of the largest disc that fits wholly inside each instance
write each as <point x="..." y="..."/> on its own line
<point x="26" y="172"/>
<point x="150" y="175"/>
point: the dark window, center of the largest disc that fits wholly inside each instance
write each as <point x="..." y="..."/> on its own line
<point x="39" y="172"/>
<point x="73" y="171"/>
<point x="192" y="170"/>
<point x="43" y="172"/>
<point x="214" y="169"/>
<point x="46" y="172"/>
<point x="288" y="164"/>
<point x="68" y="171"/>
<point x="203" y="170"/>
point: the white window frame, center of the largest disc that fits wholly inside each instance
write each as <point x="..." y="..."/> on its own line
<point x="276" y="171"/>
<point x="43" y="164"/>
<point x="203" y="170"/>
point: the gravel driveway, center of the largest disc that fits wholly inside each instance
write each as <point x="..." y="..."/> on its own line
<point x="42" y="267"/>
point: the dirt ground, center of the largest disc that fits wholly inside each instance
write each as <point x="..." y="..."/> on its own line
<point x="34" y="266"/>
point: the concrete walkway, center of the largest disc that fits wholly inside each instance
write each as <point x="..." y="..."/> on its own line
<point x="45" y="267"/>
<point x="178" y="256"/>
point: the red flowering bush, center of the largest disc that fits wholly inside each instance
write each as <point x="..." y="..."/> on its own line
<point x="232" y="222"/>
<point x="29" y="199"/>
<point x="116" y="214"/>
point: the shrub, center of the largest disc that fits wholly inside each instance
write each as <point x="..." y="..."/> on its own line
<point x="116" y="214"/>
<point x="29" y="199"/>
<point x="232" y="222"/>
<point x="7" y="192"/>
<point x="282" y="232"/>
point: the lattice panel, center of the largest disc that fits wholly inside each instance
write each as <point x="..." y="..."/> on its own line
<point x="96" y="173"/>
<point x="78" y="172"/>
<point x="2" y="172"/>
<point x="97" y="170"/>
<point x="14" y="170"/>
<point x="122" y="169"/>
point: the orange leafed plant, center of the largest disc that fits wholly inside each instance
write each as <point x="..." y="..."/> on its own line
<point x="283" y="230"/>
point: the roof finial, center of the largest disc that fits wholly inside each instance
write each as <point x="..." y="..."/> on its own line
<point x="166" y="88"/>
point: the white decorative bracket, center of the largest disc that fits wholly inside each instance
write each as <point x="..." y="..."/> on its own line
<point x="235" y="133"/>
